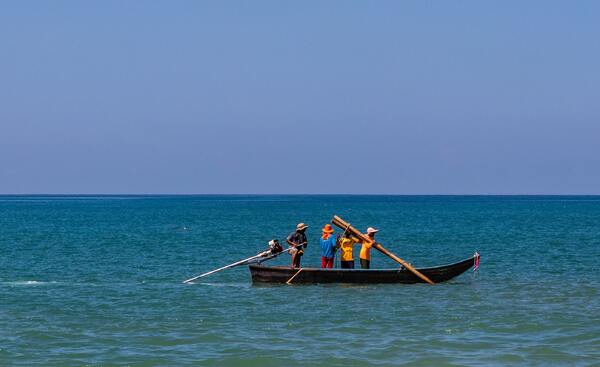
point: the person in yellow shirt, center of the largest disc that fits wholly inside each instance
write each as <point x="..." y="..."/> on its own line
<point x="365" y="250"/>
<point x="346" y="243"/>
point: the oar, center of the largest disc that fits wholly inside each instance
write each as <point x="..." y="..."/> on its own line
<point x="293" y="276"/>
<point x="347" y="227"/>
<point x="237" y="263"/>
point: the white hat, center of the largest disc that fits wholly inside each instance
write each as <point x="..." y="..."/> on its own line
<point x="301" y="226"/>
<point x="372" y="230"/>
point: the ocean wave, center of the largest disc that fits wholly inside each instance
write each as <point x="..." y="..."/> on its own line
<point x="27" y="282"/>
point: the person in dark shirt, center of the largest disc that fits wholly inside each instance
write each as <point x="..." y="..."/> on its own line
<point x="298" y="241"/>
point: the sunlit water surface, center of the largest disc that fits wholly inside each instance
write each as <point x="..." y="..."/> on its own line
<point x="97" y="281"/>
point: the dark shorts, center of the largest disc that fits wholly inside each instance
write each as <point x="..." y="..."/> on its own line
<point x="365" y="264"/>
<point x="347" y="264"/>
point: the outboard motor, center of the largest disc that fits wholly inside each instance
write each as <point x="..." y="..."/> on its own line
<point x="275" y="247"/>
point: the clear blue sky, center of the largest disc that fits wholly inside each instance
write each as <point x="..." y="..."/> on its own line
<point x="400" y="97"/>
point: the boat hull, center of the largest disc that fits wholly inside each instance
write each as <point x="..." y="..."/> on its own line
<point x="280" y="274"/>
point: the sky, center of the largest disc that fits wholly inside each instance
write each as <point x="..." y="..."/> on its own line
<point x="299" y="97"/>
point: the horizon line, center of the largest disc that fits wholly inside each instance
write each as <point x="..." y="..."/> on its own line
<point x="285" y="194"/>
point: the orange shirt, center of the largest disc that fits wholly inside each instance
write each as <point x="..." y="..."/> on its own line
<point x="365" y="250"/>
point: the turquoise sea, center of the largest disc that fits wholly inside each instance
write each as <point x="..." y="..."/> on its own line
<point x="96" y="281"/>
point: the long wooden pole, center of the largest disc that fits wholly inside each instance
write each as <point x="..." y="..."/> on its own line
<point x="293" y="276"/>
<point x="237" y="263"/>
<point x="347" y="227"/>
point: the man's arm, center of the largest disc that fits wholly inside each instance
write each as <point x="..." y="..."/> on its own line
<point x="292" y="243"/>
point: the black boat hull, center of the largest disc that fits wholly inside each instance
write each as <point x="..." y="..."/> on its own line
<point x="280" y="274"/>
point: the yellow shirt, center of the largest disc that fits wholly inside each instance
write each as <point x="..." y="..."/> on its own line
<point x="346" y="247"/>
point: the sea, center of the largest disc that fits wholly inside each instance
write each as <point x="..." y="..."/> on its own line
<point x="97" y="281"/>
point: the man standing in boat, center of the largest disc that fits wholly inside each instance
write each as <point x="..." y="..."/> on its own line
<point x="298" y="241"/>
<point x="365" y="251"/>
<point x="328" y="246"/>
<point x="346" y="246"/>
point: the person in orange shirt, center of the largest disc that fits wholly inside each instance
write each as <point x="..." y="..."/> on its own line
<point x="365" y="250"/>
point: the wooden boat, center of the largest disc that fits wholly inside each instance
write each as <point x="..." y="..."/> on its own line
<point x="280" y="274"/>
